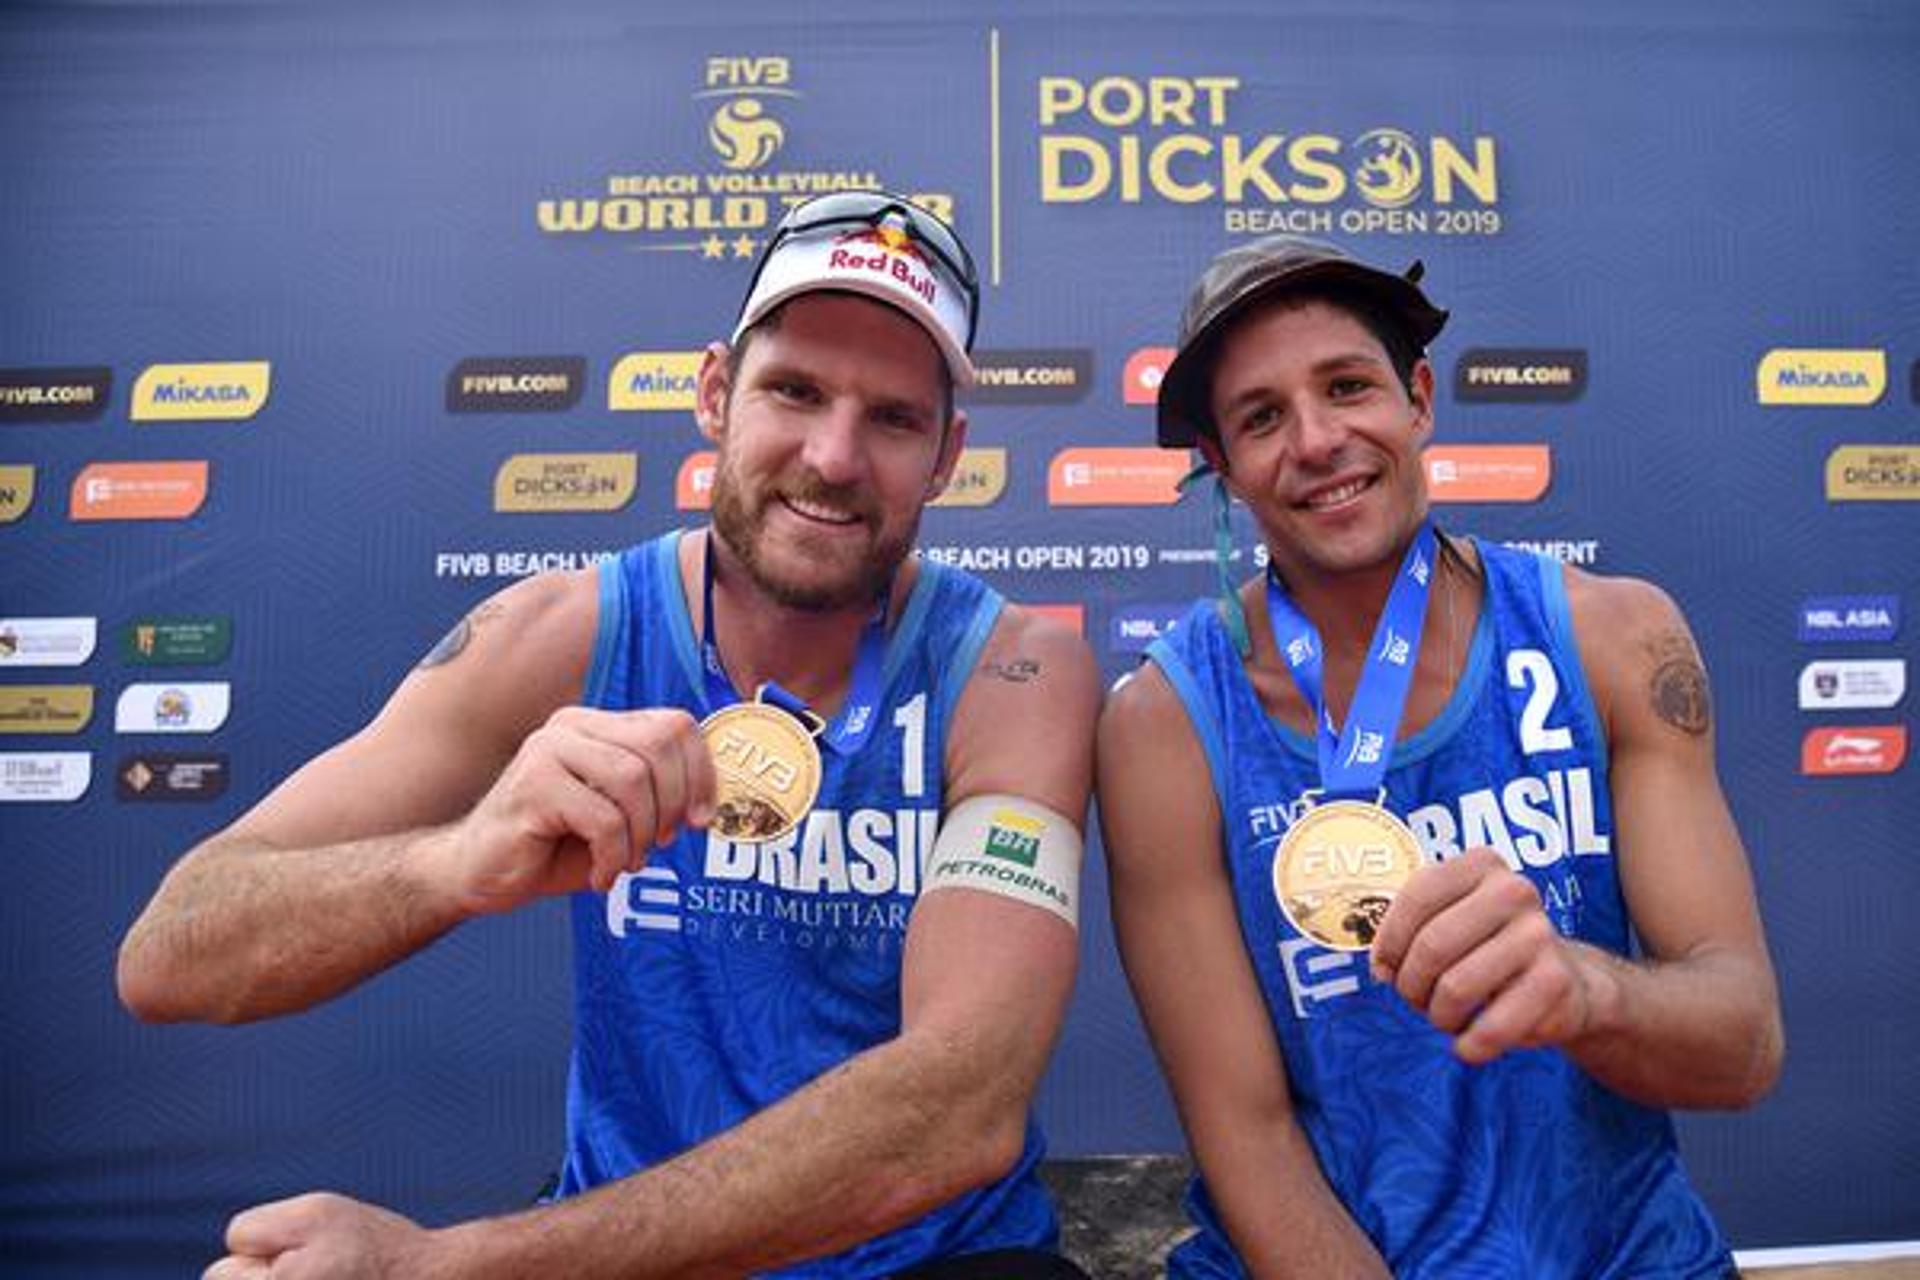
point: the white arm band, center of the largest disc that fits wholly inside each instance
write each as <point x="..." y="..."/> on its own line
<point x="1011" y="846"/>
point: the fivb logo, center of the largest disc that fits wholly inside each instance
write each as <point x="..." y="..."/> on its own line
<point x="1875" y="618"/>
<point x="743" y="135"/>
<point x="645" y="899"/>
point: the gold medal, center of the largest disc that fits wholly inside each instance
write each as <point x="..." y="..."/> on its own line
<point x="1338" y="868"/>
<point x="767" y="770"/>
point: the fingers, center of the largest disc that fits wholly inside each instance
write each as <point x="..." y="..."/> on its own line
<point x="1432" y="890"/>
<point x="274" y="1227"/>
<point x="1465" y="924"/>
<point x="652" y="767"/>
<point x="1474" y="951"/>
<point x="1534" y="1009"/>
<point x="234" y="1268"/>
<point x="661" y="771"/>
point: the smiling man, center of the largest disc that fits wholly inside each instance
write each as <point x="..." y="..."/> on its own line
<point x="817" y="805"/>
<point x="1383" y="825"/>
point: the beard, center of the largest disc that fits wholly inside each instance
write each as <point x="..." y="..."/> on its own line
<point x="820" y="578"/>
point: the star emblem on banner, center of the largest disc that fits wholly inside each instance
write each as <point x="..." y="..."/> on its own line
<point x="712" y="247"/>
<point x="743" y="246"/>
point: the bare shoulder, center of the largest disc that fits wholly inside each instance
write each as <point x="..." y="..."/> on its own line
<point x="1639" y="652"/>
<point x="1146" y="740"/>
<point x="515" y="657"/>
<point x="1024" y="723"/>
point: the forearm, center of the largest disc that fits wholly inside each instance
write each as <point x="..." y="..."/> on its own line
<point x="1283" y="1218"/>
<point x="241" y="929"/>
<point x="866" y="1148"/>
<point x="1703" y="1031"/>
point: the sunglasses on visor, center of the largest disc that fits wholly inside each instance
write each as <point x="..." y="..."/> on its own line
<point x="873" y="209"/>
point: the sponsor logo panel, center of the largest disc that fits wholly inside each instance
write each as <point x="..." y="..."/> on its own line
<point x="693" y="485"/>
<point x="1114" y="477"/>
<point x="1875" y="748"/>
<point x="171" y="776"/>
<point x="1520" y="374"/>
<point x="1840" y="686"/>
<point x="45" y="708"/>
<point x="47" y="642"/>
<point x="16" y="491"/>
<point x="533" y="482"/>
<point x="1136" y="626"/>
<point x="1873" y="473"/>
<point x="979" y="478"/>
<point x="74" y="394"/>
<point x="654" y="380"/>
<point x="1071" y="615"/>
<point x="516" y="384"/>
<point x="138" y="490"/>
<point x="1821" y="375"/>
<point x="1187" y="140"/>
<point x="44" y="776"/>
<point x="199" y="707"/>
<point x="1488" y="472"/>
<point x="1140" y="378"/>
<point x="229" y="391"/>
<point x="176" y="641"/>
<point x="1874" y="618"/>
<point x="1030" y="376"/>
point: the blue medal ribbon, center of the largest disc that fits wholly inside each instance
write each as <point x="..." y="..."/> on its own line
<point x="1353" y="760"/>
<point x="854" y="725"/>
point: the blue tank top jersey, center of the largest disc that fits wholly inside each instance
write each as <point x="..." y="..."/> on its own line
<point x="1525" y="1166"/>
<point x="724" y="976"/>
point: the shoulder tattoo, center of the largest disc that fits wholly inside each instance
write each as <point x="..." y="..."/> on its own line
<point x="454" y="643"/>
<point x="1679" y="684"/>
<point x="1013" y="670"/>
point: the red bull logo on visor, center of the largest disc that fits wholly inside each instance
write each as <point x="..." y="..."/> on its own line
<point x="893" y="254"/>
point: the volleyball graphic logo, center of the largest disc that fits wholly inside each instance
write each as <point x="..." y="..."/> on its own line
<point x="1388" y="174"/>
<point x="744" y="135"/>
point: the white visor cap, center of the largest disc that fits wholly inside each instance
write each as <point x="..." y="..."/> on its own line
<point x="883" y="263"/>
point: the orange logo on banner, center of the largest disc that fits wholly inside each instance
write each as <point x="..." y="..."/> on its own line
<point x="1093" y="477"/>
<point x="1140" y="383"/>
<point x="1488" y="472"/>
<point x="693" y="487"/>
<point x="1074" y="615"/>
<point x="139" y="490"/>
<point x="1873" y="748"/>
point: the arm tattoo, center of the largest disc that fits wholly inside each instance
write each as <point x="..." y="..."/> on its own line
<point x="1679" y="686"/>
<point x="452" y="644"/>
<point x="1014" y="671"/>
